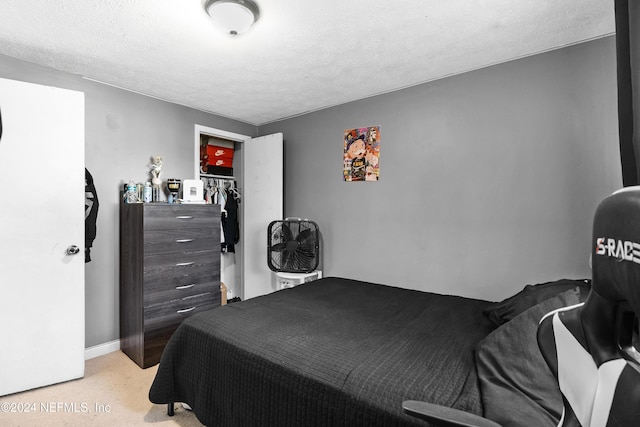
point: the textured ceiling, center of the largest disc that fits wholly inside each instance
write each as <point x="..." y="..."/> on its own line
<point x="300" y="56"/>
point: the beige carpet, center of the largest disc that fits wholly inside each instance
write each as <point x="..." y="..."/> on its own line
<point x="113" y="392"/>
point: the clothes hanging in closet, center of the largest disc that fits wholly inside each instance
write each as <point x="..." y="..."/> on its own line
<point x="230" y="223"/>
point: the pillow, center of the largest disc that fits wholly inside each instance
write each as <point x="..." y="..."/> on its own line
<point x="531" y="295"/>
<point x="516" y="385"/>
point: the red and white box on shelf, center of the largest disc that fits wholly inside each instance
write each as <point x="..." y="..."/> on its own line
<point x="221" y="162"/>
<point x="216" y="152"/>
<point x="220" y="158"/>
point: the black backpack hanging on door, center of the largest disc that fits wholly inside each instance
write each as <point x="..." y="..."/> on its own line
<point x="90" y="214"/>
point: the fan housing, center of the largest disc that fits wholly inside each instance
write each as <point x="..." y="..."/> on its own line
<point x="293" y="246"/>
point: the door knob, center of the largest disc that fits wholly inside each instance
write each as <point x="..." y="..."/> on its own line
<point x="72" y="250"/>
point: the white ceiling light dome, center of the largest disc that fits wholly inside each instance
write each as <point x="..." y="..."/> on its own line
<point x="232" y="16"/>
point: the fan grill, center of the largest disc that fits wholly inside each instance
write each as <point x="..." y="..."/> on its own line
<point x="293" y="246"/>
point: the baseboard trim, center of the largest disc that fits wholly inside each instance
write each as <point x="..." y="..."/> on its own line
<point x="101" y="349"/>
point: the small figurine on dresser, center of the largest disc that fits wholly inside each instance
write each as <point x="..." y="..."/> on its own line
<point x="156" y="168"/>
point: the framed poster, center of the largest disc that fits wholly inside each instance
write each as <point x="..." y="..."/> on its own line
<point x="361" y="157"/>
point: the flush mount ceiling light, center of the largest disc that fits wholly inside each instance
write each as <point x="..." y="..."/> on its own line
<point x="233" y="16"/>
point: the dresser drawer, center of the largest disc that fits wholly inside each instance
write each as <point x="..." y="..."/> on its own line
<point x="183" y="240"/>
<point x="168" y="217"/>
<point x="156" y="281"/>
<point x="174" y="312"/>
<point x="162" y="266"/>
<point x="167" y="291"/>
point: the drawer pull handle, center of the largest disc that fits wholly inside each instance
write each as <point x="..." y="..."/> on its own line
<point x="184" y="217"/>
<point x="185" y="286"/>
<point x="186" y="310"/>
<point x="184" y="264"/>
<point x="184" y="240"/>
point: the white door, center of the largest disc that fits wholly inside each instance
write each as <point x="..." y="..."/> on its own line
<point x="41" y="216"/>
<point x="263" y="169"/>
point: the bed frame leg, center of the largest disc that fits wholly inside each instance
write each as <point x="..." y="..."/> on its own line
<point x="170" y="409"/>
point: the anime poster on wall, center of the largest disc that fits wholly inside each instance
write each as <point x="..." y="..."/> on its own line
<point x="362" y="154"/>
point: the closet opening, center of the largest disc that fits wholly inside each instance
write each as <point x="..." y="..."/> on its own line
<point x="218" y="164"/>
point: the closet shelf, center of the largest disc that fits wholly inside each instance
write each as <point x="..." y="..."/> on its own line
<point x="208" y="175"/>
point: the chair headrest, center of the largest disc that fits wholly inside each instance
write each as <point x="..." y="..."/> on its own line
<point x="616" y="248"/>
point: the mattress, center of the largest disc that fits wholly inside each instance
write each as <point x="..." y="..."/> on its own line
<point x="335" y="351"/>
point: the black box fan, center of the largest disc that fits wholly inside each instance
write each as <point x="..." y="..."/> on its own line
<point x="293" y="245"/>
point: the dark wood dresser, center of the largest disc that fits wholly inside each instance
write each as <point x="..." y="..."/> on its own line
<point x="169" y="270"/>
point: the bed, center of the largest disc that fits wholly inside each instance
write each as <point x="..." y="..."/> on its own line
<point x="342" y="352"/>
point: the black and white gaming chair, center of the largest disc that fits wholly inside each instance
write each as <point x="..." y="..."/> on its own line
<point x="591" y="348"/>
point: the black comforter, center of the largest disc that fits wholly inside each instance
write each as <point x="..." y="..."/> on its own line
<point x="334" y="352"/>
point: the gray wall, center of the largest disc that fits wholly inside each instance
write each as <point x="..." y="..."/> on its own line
<point x="488" y="179"/>
<point x="122" y="130"/>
